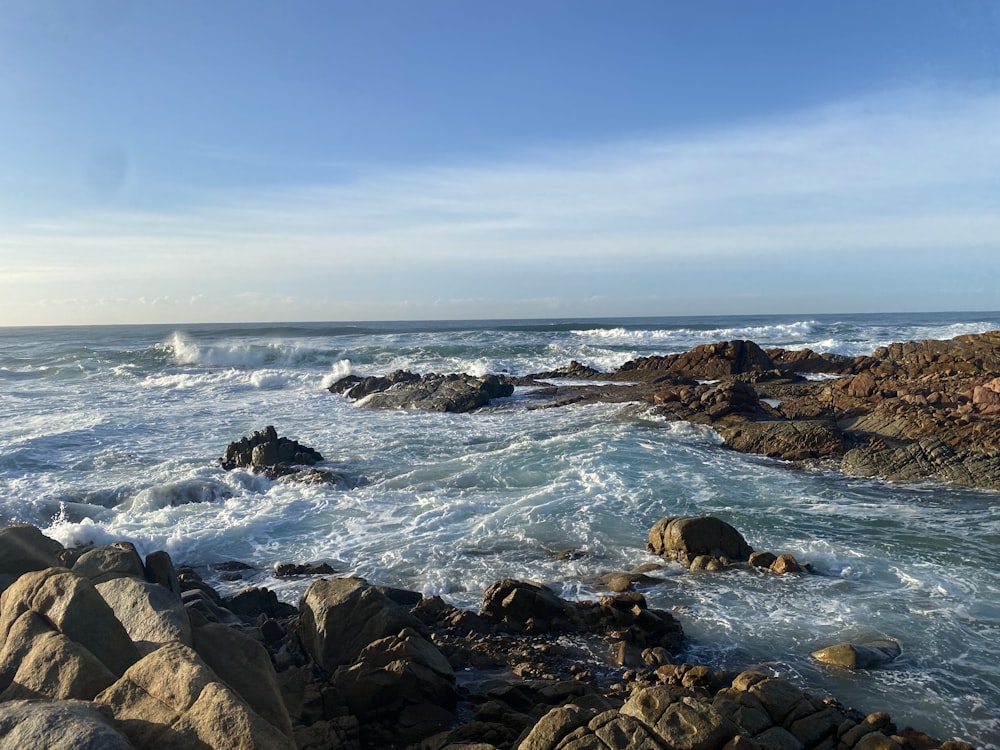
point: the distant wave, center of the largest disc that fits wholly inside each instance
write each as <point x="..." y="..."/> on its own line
<point x="780" y="332"/>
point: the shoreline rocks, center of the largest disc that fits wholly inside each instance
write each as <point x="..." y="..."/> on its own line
<point x="147" y="658"/>
<point x="907" y="412"/>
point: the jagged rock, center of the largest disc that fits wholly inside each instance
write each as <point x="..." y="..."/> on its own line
<point x="432" y="392"/>
<point x="282" y="570"/>
<point x="402" y="682"/>
<point x="786" y="440"/>
<point x="339" y="617"/>
<point x="57" y="725"/>
<point x="685" y="538"/>
<point x="266" y="453"/>
<point x="254" y="602"/>
<point x="866" y="655"/>
<point x="706" y="362"/>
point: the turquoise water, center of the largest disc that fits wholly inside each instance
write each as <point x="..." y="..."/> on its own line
<point x="113" y="432"/>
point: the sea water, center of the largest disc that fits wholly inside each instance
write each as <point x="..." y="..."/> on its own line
<point x="113" y="433"/>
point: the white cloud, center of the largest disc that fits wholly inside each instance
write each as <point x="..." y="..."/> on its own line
<point x="885" y="180"/>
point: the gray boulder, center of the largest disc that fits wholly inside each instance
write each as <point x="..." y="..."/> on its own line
<point x="57" y="725"/>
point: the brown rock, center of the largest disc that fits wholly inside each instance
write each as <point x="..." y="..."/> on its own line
<point x="684" y="539"/>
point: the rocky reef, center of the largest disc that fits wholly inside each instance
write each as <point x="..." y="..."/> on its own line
<point x="100" y="648"/>
<point x="906" y="412"/>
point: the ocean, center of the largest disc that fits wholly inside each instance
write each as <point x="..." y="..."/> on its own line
<point x="114" y="432"/>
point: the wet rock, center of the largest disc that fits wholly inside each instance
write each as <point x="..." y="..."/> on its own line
<point x="706" y="362"/>
<point x="266" y="453"/>
<point x="432" y="392"/>
<point x="686" y="538"/>
<point x="868" y="655"/>
<point x="283" y="570"/>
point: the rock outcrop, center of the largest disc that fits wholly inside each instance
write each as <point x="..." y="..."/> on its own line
<point x="265" y="453"/>
<point x="432" y="392"/>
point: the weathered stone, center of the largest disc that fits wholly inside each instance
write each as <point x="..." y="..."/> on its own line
<point x="245" y="666"/>
<point x="57" y="725"/>
<point x="340" y="616"/>
<point x="151" y="614"/>
<point x="403" y="681"/>
<point x="554" y="726"/>
<point x="264" y="452"/>
<point x="868" y="655"/>
<point x="172" y="699"/>
<point x="160" y="570"/>
<point x="785" y="563"/>
<point x="116" y="560"/>
<point x="37" y="661"/>
<point x="76" y="609"/>
<point x="405" y="390"/>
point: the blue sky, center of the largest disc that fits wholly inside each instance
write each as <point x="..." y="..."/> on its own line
<point x="241" y="161"/>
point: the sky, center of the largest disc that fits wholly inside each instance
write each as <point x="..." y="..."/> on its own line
<point x="240" y="160"/>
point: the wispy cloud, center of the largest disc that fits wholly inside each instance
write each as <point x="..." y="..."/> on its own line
<point x="903" y="175"/>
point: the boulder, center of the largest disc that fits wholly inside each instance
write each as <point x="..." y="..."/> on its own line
<point x="37" y="661"/>
<point x="684" y="723"/>
<point x="57" y="725"/>
<point x="526" y="607"/>
<point x="868" y="655"/>
<point x="75" y="609"/>
<point x="116" y="560"/>
<point x="172" y="699"/>
<point x="24" y="548"/>
<point x="402" y="682"/>
<point x="152" y="615"/>
<point x="245" y="666"/>
<point x="339" y="617"/>
<point x="686" y="538"/>
<point x="785" y="440"/>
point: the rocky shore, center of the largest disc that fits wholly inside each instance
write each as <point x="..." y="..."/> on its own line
<point x="101" y="648"/>
<point x="906" y="412"/>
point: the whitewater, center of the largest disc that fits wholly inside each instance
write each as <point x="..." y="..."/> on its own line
<point x="114" y="432"/>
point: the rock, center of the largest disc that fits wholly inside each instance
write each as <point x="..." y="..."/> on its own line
<point x="160" y="570"/>
<point x="253" y="602"/>
<point x="37" y="661"/>
<point x="554" y="726"/>
<point x="684" y="539"/>
<point x="151" y="614"/>
<point x="24" y="548"/>
<point x="868" y="655"/>
<point x="266" y="453"/>
<point x="797" y="440"/>
<point x="57" y="725"/>
<point x="706" y="362"/>
<point x="339" y="617"/>
<point x="402" y="681"/>
<point x="115" y="560"/>
<point x="172" y="699"/>
<point x="522" y="606"/>
<point x="685" y="724"/>
<point x="432" y="392"/>
<point x="245" y="666"/>
<point x="282" y="570"/>
<point x="785" y="563"/>
<point x="75" y="608"/>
